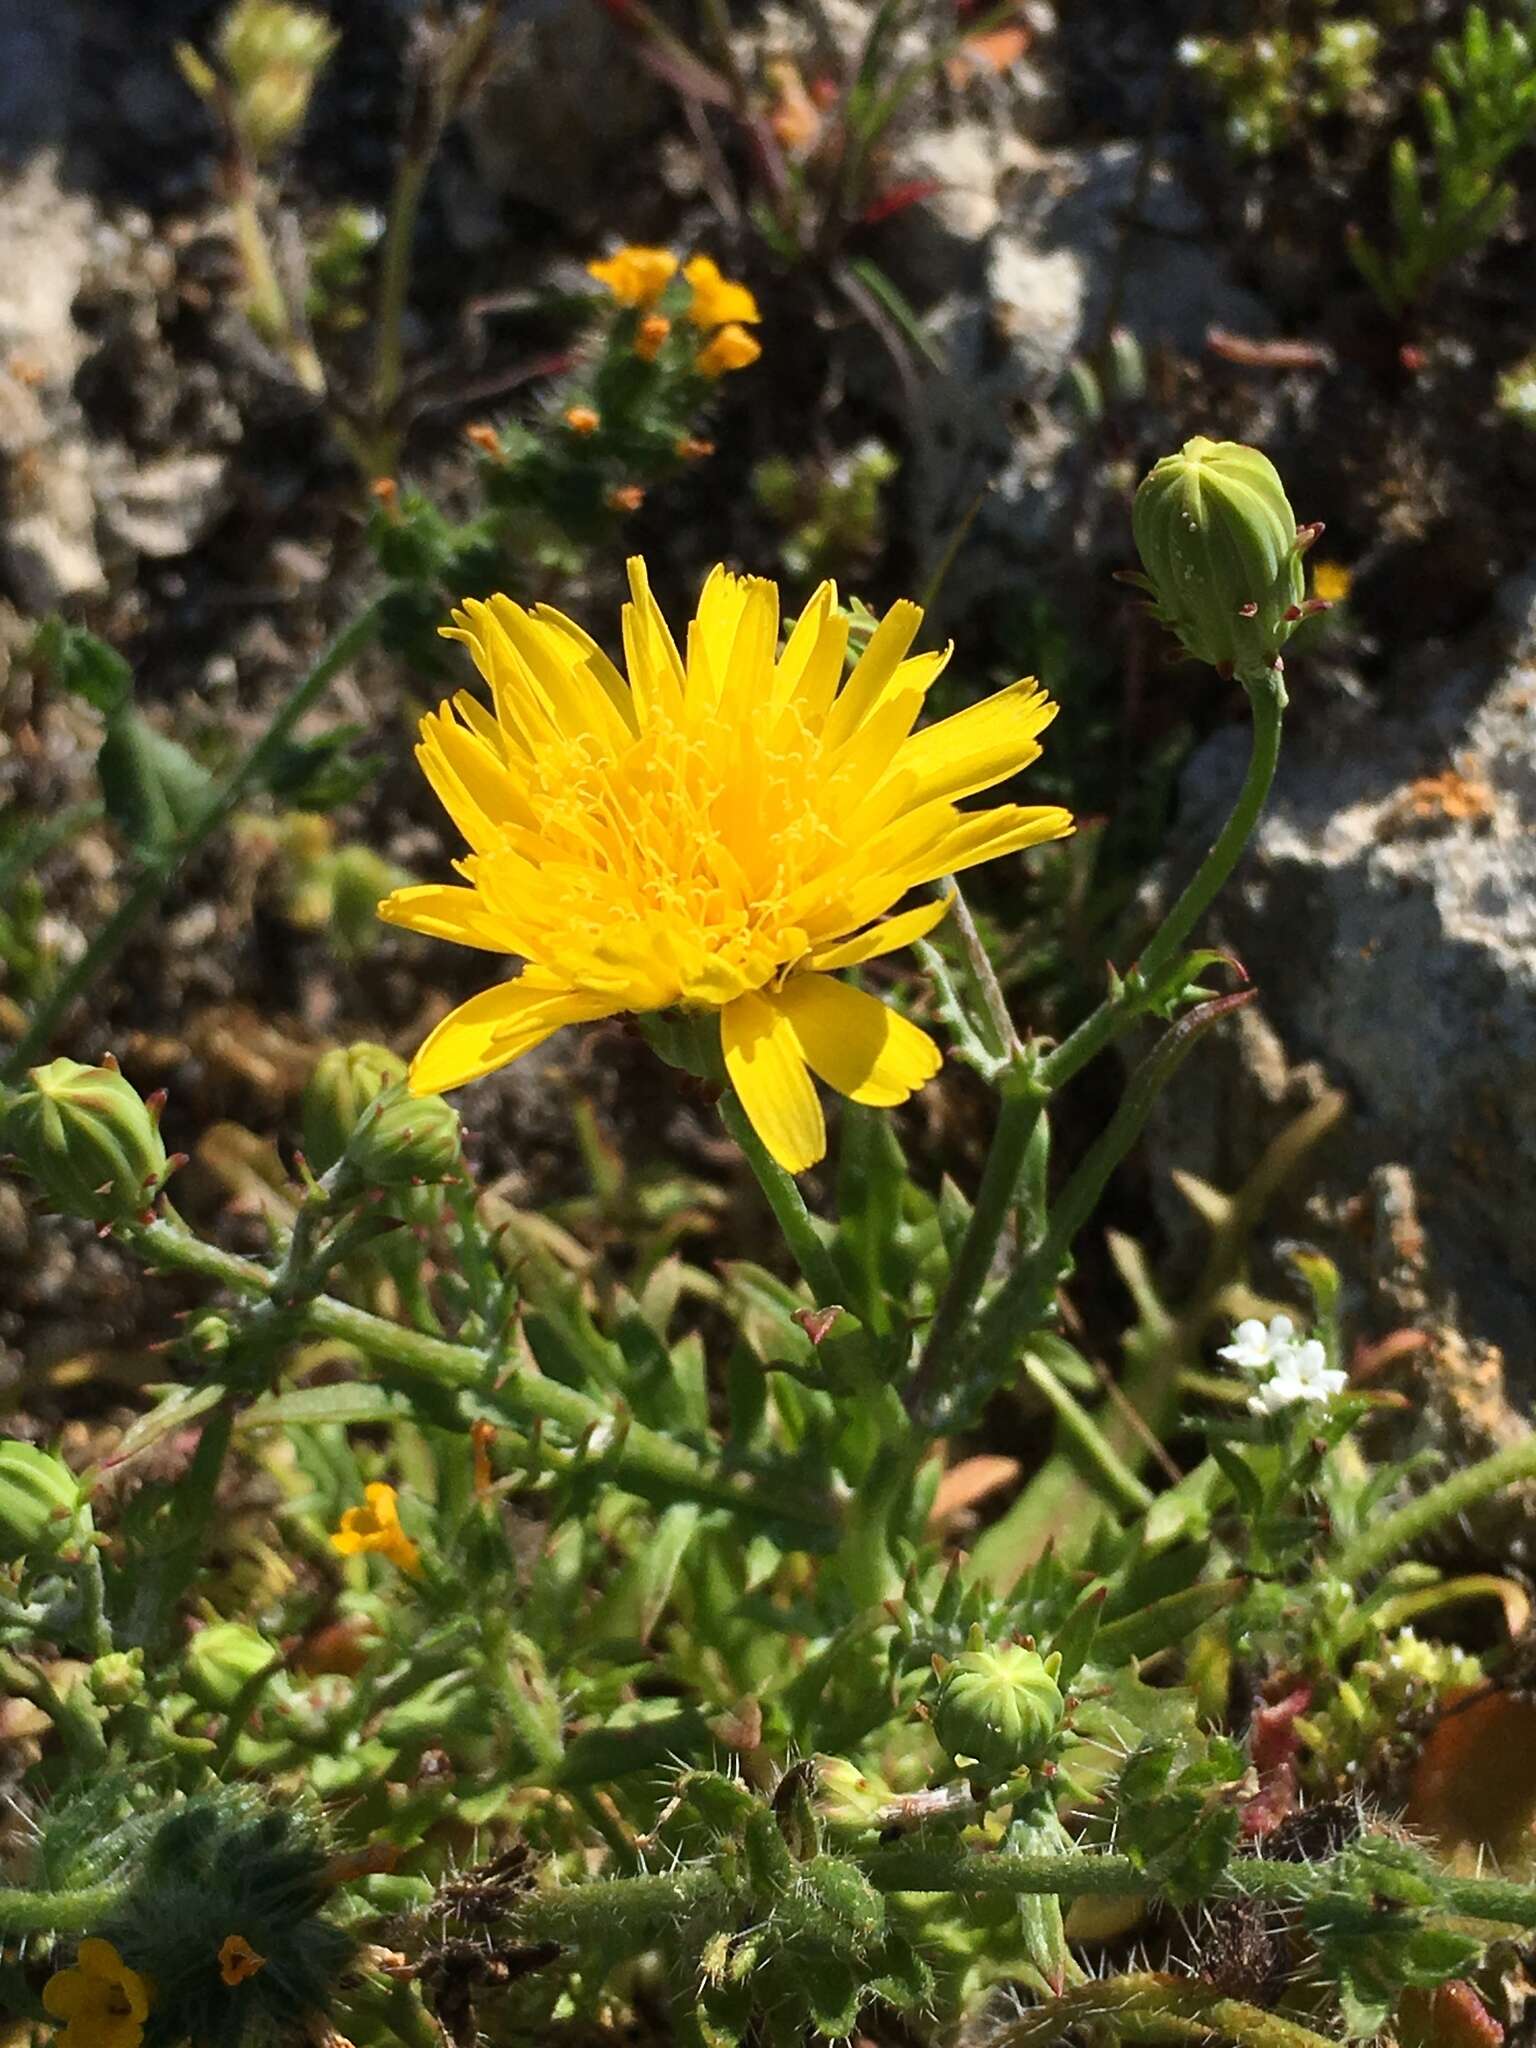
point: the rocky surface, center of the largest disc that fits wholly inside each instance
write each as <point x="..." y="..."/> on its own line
<point x="1387" y="912"/>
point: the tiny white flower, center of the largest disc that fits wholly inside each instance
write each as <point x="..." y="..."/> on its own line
<point x="1301" y="1373"/>
<point x="1254" y="1348"/>
<point x="1190" y="50"/>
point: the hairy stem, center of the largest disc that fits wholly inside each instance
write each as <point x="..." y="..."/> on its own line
<point x="24" y="1912"/>
<point x="1420" y="1517"/>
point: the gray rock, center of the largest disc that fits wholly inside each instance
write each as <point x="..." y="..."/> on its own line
<point x="47" y="518"/>
<point x="162" y="509"/>
<point x="1055" y="258"/>
<point x="1387" y="912"/>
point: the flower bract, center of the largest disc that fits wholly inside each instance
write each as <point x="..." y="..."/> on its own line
<point x="721" y="830"/>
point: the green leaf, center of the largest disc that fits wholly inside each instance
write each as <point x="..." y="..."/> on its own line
<point x="152" y="787"/>
<point x="79" y="662"/>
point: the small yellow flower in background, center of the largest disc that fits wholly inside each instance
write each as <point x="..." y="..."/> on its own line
<point x="731" y="349"/>
<point x="102" y="2002"/>
<point x="717" y="300"/>
<point x="377" y="1527"/>
<point x="1331" y="581"/>
<point x="636" y="276"/>
<point x="721" y="832"/>
<point x="238" y="1960"/>
<point x="649" y="336"/>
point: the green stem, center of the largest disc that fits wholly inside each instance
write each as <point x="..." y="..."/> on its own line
<point x="394" y="282"/>
<point x="162" y="866"/>
<point x="1266" y="693"/>
<point x="1094" y="1450"/>
<point x="1020" y="1305"/>
<point x="1000" y="1177"/>
<point x="1418" y="1518"/>
<point x="1147" y="2005"/>
<point x="1084" y="1875"/>
<point x="649" y="1464"/>
<point x="23" y="1912"/>
<point x="787" y="1203"/>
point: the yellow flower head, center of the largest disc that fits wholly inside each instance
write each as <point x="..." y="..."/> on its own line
<point x="1331" y="581"/>
<point x="102" y="2002"/>
<point x="377" y="1527"/>
<point x="731" y="349"/>
<point x="719" y="831"/>
<point x="238" y="1960"/>
<point x="717" y="299"/>
<point x="635" y="275"/>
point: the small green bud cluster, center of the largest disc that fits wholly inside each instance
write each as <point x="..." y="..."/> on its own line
<point x="999" y="1709"/>
<point x="89" y="1139"/>
<point x="363" y="1126"/>
<point x="40" y="1500"/>
<point x="1222" y="554"/>
<point x="271" y="54"/>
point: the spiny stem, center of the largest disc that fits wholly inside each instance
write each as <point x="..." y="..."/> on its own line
<point x="648" y="1463"/>
<point x="162" y="866"/>
<point x="1418" y="1518"/>
<point x="24" y="1912"/>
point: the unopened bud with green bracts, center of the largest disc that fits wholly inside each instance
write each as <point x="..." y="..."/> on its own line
<point x="89" y="1139"/>
<point x="39" y="1501"/>
<point x="999" y="1709"/>
<point x="220" y="1662"/>
<point x="1222" y="554"/>
<point x="402" y="1140"/>
<point x="344" y="1082"/>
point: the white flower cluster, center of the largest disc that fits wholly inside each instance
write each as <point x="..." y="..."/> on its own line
<point x="1296" y="1368"/>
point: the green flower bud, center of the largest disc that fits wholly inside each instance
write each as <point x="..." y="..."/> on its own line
<point x="118" y="1677"/>
<point x="272" y="55"/>
<point x="220" y="1662"/>
<point x="402" y="1140"/>
<point x="345" y="1081"/>
<point x="999" y="1708"/>
<point x="847" y="1797"/>
<point x="39" y="1500"/>
<point x="89" y="1139"/>
<point x="1218" y="540"/>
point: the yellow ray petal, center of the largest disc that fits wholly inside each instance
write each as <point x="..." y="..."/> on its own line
<point x="883" y="938"/>
<point x="604" y="674"/>
<point x="801" y="644"/>
<point x="576" y="698"/>
<point x="443" y="912"/>
<point x="977" y="747"/>
<point x="495" y="1027"/>
<point x="857" y="1045"/>
<point x="873" y="670"/>
<point x="767" y="1070"/>
<point x="655" y="666"/>
<point x="487" y="782"/>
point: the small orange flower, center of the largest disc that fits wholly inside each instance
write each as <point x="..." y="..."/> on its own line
<point x="480" y="434"/>
<point x="376" y="1527"/>
<point x="581" y="419"/>
<point x="717" y="301"/>
<point x="102" y="2002"/>
<point x="650" y="334"/>
<point x="238" y="1960"/>
<point x="637" y="276"/>
<point x="731" y="349"/>
<point x="691" y="449"/>
<point x="626" y="497"/>
<point x="385" y="491"/>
